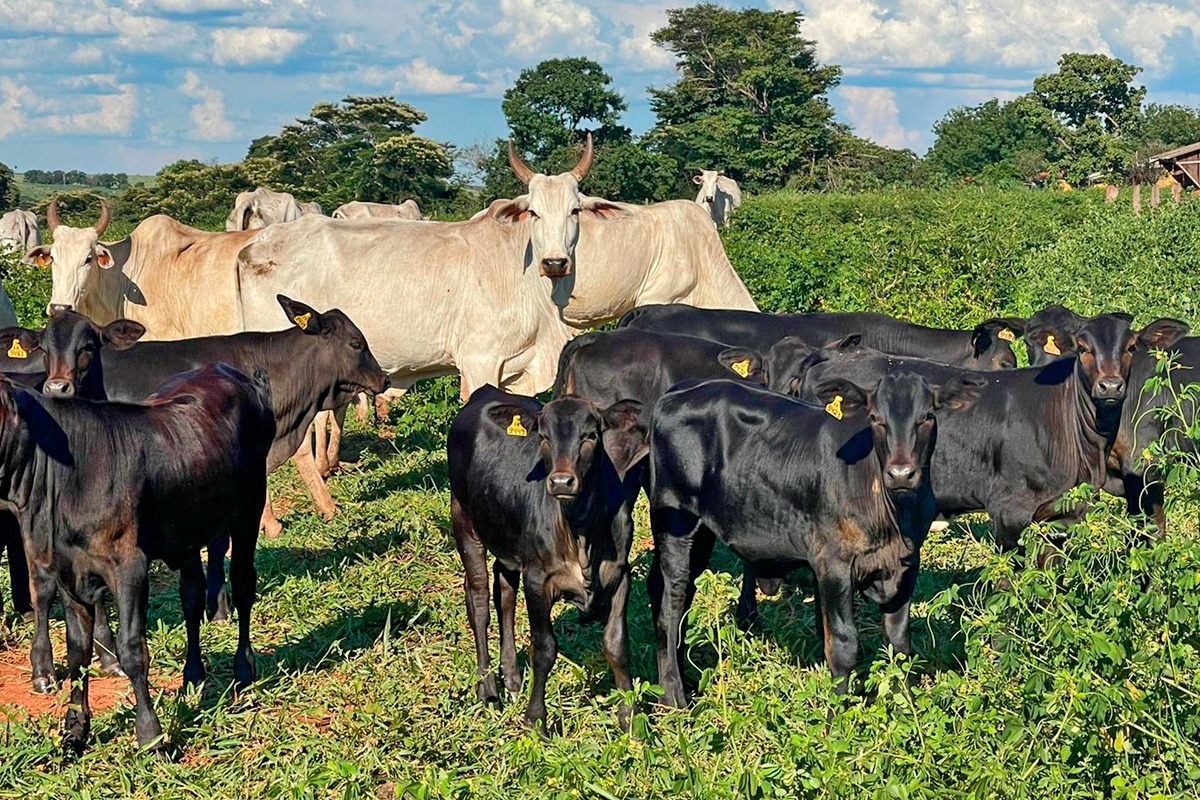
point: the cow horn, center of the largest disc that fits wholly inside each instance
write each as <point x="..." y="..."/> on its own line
<point x="585" y="161"/>
<point x="103" y="221"/>
<point x="524" y="173"/>
<point x="52" y="214"/>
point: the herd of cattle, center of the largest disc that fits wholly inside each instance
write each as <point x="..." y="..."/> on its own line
<point x="140" y="423"/>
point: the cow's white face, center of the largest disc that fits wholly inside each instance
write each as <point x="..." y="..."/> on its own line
<point x="554" y="204"/>
<point x="707" y="181"/>
<point x="73" y="260"/>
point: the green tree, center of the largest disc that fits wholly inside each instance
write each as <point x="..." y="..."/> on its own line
<point x="192" y="192"/>
<point x="549" y="104"/>
<point x="862" y="164"/>
<point x="1172" y="125"/>
<point x="751" y="98"/>
<point x="1009" y="141"/>
<point x="344" y="151"/>
<point x="1092" y="86"/>
<point x="9" y="194"/>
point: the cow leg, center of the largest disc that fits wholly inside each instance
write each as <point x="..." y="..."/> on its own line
<point x="476" y="373"/>
<point x="361" y="403"/>
<point x="505" y="596"/>
<point x="616" y="646"/>
<point x="680" y="541"/>
<point x="267" y="521"/>
<point x="191" y="598"/>
<point x="243" y="577"/>
<point x="303" y="459"/>
<point x="18" y="570"/>
<point x="104" y="641"/>
<point x="895" y="613"/>
<point x="217" y="605"/>
<point x="475" y="587"/>
<point x="545" y="649"/>
<point x="837" y="617"/>
<point x="41" y="653"/>
<point x="337" y="421"/>
<point x="132" y="596"/>
<point x="78" y="722"/>
<point x="320" y="430"/>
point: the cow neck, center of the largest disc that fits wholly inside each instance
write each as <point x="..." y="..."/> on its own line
<point x="25" y="473"/>
<point x="574" y="522"/>
<point x="285" y="354"/>
<point x="1094" y="433"/>
<point x="105" y="303"/>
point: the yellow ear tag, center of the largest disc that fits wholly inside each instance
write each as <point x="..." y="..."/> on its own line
<point x="516" y="429"/>
<point x="302" y="320"/>
<point x="741" y="367"/>
<point x="1050" y="347"/>
<point x="834" y="407"/>
<point x="1007" y="335"/>
<point x="16" y="351"/>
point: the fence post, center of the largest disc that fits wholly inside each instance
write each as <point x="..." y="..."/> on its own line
<point x="1176" y="193"/>
<point x="1155" y="195"/>
<point x="1110" y="193"/>
<point x="1137" y="198"/>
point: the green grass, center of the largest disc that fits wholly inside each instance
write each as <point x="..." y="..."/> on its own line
<point x="35" y="192"/>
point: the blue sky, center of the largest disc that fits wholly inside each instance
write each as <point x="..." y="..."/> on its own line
<point x="135" y="84"/>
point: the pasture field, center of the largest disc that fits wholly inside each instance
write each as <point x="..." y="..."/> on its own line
<point x="1078" y="682"/>
<point x="35" y="192"/>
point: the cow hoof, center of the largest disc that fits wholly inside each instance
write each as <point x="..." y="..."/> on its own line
<point x="272" y="529"/>
<point x="27" y="616"/>
<point x="328" y="514"/>
<point x="73" y="745"/>
<point x="192" y="680"/>
<point x="112" y="669"/>
<point x="218" y="609"/>
<point x="486" y="690"/>
<point x="44" y="685"/>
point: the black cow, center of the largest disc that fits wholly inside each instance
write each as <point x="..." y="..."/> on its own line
<point x="1034" y="434"/>
<point x="102" y="489"/>
<point x="549" y="491"/>
<point x="1053" y="333"/>
<point x="841" y="487"/>
<point x="310" y="369"/>
<point x="985" y="347"/>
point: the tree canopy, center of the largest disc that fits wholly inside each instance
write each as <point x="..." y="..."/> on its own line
<point x="9" y="194"/>
<point x="751" y="98"/>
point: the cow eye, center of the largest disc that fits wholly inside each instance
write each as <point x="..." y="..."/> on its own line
<point x="534" y="215"/>
<point x="355" y="344"/>
<point x="575" y="212"/>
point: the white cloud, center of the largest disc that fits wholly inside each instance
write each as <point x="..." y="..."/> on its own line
<point x="86" y="54"/>
<point x="259" y="45"/>
<point x="12" y="106"/>
<point x="874" y="113"/>
<point x="208" y="115"/>
<point x="64" y="17"/>
<point x="537" y="29"/>
<point x="112" y="114"/>
<point x="145" y="34"/>
<point x="421" y="77"/>
<point x="189" y="6"/>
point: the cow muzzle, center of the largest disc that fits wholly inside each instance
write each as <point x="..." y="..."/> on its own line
<point x="59" y="387"/>
<point x="562" y="486"/>
<point x="556" y="267"/>
<point x="57" y="308"/>
<point x="901" y="477"/>
<point x="1109" y="390"/>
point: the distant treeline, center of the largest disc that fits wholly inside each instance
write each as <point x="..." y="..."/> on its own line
<point x="74" y="177"/>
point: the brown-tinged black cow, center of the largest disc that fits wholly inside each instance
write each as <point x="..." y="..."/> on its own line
<point x="102" y="489"/>
<point x="841" y="486"/>
<point x="310" y="368"/>
<point x="1034" y="434"/>
<point x="985" y="347"/>
<point x="549" y="491"/>
<point x="1055" y="332"/>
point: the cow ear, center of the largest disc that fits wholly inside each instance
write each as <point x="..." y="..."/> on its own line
<point x="1121" y="315"/>
<point x="850" y="342"/>
<point x="1006" y="329"/>
<point x="841" y="397"/>
<point x="746" y="363"/>
<point x="1163" y="333"/>
<point x="303" y="316"/>
<point x="1051" y="341"/>
<point x="123" y="333"/>
<point x="513" y="419"/>
<point x="20" y="342"/>
<point x="698" y="179"/>
<point x="104" y="257"/>
<point x="959" y="392"/>
<point x="510" y="211"/>
<point x="604" y="209"/>
<point x="626" y="434"/>
<point x="39" y="256"/>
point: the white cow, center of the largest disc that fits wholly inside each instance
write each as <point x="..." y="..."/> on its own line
<point x="718" y="195"/>
<point x="260" y="208"/>
<point x="359" y="210"/>
<point x="19" y="230"/>
<point x="311" y="208"/>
